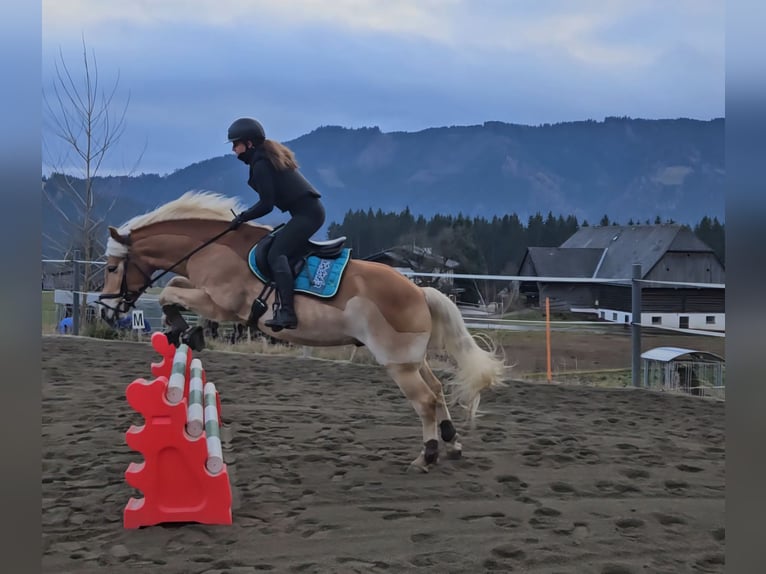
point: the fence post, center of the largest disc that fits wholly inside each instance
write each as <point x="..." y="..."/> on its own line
<point x="636" y="325"/>
<point x="76" y="293"/>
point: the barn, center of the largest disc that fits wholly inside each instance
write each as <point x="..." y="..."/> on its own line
<point x="666" y="252"/>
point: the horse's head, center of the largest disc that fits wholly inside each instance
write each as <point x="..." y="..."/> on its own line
<point x="126" y="278"/>
<point x="164" y="239"/>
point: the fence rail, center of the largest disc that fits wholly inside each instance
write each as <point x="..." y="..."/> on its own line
<point x="483" y="321"/>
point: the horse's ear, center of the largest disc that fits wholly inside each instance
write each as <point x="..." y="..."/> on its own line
<point x="121" y="239"/>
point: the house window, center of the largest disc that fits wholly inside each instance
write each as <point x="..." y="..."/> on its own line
<point x="710" y="320"/>
<point x="656" y="320"/>
<point x="614" y="316"/>
<point x="626" y="319"/>
<point x="683" y="322"/>
<point x="603" y="314"/>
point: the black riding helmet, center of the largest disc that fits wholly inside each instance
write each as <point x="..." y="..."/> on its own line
<point x="244" y="129"/>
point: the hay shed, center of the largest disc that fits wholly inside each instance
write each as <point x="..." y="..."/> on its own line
<point x="699" y="373"/>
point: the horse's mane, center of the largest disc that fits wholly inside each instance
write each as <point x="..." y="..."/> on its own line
<point x="193" y="204"/>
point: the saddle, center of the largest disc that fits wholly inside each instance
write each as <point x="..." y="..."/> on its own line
<point x="329" y="249"/>
<point x="317" y="272"/>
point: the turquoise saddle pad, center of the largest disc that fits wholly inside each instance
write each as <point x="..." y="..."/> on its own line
<point x="319" y="277"/>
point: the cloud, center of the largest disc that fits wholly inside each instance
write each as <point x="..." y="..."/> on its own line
<point x="563" y="26"/>
<point x="191" y="66"/>
<point x="423" y="18"/>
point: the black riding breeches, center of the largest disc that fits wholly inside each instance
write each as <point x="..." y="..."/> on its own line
<point x="292" y="240"/>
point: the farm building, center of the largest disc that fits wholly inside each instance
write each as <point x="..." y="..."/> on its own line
<point x="412" y="258"/>
<point x="665" y="253"/>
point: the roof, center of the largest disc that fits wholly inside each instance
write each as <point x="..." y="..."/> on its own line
<point x="558" y="262"/>
<point x="667" y="354"/>
<point x="414" y="257"/>
<point x="626" y="245"/>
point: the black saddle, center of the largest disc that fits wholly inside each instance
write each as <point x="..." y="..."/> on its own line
<point x="329" y="249"/>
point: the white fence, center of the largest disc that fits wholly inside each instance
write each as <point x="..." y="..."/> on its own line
<point x="485" y="316"/>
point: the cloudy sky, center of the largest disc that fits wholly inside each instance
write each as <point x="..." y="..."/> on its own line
<point x="190" y="67"/>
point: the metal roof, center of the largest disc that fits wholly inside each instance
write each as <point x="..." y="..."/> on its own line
<point x="558" y="262"/>
<point x="414" y="257"/>
<point x="666" y="354"/>
<point x="625" y="245"/>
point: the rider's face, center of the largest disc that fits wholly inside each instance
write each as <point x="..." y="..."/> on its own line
<point x="238" y="147"/>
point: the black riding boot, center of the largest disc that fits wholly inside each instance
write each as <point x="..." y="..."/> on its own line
<point x="284" y="318"/>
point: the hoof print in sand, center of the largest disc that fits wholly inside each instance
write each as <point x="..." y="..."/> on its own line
<point x="634" y="473"/>
<point x="710" y="563"/>
<point x="676" y="486"/>
<point x="630" y="527"/>
<point x="509" y="551"/>
<point x="616" y="489"/>
<point x="669" y="519"/>
<point x="563" y="488"/>
<point x="545" y="518"/>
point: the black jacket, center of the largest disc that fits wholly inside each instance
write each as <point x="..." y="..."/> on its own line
<point x="283" y="189"/>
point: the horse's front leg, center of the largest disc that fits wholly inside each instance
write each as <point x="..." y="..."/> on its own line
<point x="198" y="302"/>
<point x="171" y="312"/>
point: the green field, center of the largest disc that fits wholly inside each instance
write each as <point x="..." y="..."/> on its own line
<point x="48" y="312"/>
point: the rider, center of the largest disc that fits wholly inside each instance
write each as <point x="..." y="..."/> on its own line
<point x="275" y="177"/>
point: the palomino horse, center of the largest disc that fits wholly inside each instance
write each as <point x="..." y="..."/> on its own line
<point x="374" y="305"/>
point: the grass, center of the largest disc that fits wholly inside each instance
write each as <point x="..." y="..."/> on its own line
<point x="48" y="312"/>
<point x="610" y="378"/>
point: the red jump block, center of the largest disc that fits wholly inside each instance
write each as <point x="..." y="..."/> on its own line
<point x="176" y="485"/>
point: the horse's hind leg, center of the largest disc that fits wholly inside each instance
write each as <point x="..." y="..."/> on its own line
<point x="417" y="391"/>
<point x="446" y="428"/>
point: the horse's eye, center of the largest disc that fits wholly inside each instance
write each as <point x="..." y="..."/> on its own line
<point x="112" y="268"/>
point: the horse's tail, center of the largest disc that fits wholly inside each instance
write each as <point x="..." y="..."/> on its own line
<point x="477" y="369"/>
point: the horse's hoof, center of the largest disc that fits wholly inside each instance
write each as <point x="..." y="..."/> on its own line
<point x="431" y="451"/>
<point x="454" y="450"/>
<point x="195" y="338"/>
<point x="454" y="454"/>
<point x="419" y="464"/>
<point x="174" y="337"/>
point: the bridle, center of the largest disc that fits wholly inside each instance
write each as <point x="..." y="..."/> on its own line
<point x="130" y="297"/>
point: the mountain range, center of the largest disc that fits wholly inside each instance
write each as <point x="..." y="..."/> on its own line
<point x="621" y="167"/>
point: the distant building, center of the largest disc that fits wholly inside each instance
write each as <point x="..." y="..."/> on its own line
<point x="411" y="258"/>
<point x="665" y="253"/>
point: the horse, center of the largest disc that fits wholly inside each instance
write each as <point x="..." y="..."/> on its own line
<point x="374" y="306"/>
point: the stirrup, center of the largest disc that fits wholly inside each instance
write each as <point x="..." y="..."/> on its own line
<point x="258" y="307"/>
<point x="278" y="322"/>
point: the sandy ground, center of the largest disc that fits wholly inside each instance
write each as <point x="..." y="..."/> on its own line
<point x="553" y="479"/>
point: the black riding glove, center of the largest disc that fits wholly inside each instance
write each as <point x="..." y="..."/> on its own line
<point x="238" y="220"/>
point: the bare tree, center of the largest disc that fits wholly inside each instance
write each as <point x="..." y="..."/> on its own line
<point x="85" y="117"/>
